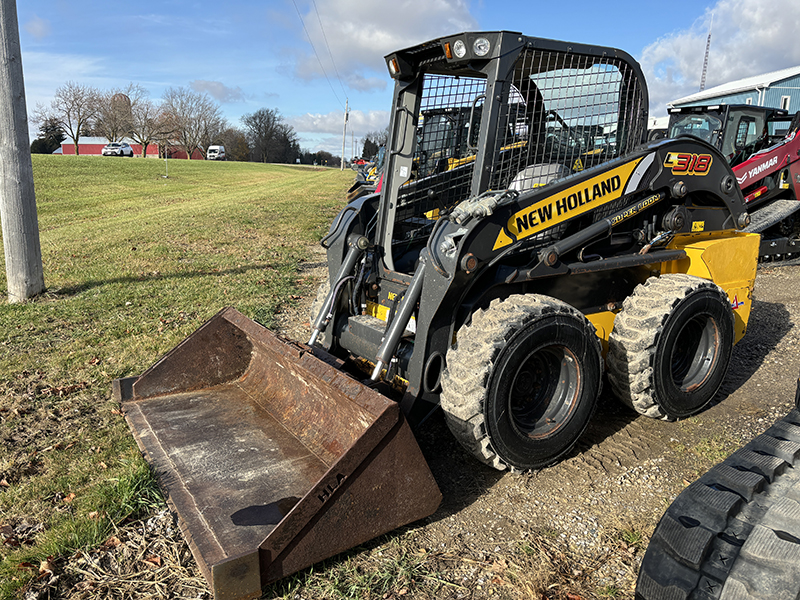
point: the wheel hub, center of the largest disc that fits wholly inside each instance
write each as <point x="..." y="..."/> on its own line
<point x="544" y="391"/>
<point x="695" y="353"/>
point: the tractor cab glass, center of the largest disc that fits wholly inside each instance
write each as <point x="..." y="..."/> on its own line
<point x="746" y="134"/>
<point x="704" y="126"/>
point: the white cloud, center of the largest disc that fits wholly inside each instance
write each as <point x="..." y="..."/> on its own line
<point x="330" y="144"/>
<point x="358" y="44"/>
<point x="45" y="71"/>
<point x="39" y="28"/>
<point x="749" y="37"/>
<point x="324" y="131"/>
<point x="359" y="124"/>
<point x="218" y="90"/>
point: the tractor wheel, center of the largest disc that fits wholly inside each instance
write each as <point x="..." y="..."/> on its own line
<point x="735" y="532"/>
<point x="316" y="306"/>
<point x="670" y="346"/>
<point x="522" y="381"/>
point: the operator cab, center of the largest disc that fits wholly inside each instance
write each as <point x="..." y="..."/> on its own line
<point x="495" y="111"/>
<point x="736" y="130"/>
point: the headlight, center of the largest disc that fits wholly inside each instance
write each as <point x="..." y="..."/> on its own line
<point x="459" y="49"/>
<point x="481" y="47"/>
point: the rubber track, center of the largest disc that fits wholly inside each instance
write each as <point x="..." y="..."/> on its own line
<point x="636" y="330"/>
<point x="734" y="534"/>
<point x="470" y="363"/>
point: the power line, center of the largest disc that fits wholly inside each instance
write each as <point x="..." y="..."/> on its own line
<point x="325" y="37"/>
<point x="321" y="66"/>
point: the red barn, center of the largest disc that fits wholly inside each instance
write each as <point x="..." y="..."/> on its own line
<point x="93" y="146"/>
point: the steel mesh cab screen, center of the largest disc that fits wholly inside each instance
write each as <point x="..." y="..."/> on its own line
<point x="560" y="113"/>
<point x="565" y="113"/>
<point x="444" y="156"/>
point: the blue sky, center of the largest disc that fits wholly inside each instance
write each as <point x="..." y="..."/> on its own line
<point x="250" y="54"/>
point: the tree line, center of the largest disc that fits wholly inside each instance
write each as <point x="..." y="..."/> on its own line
<point x="181" y="118"/>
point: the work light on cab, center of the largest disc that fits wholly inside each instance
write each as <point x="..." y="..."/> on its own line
<point x="481" y="47"/>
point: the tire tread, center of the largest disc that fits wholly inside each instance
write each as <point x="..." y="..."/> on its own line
<point x="471" y="360"/>
<point x="632" y="342"/>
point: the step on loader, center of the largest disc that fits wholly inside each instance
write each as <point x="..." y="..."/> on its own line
<point x="524" y="240"/>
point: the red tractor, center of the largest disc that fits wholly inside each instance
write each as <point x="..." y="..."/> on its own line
<point x="762" y="146"/>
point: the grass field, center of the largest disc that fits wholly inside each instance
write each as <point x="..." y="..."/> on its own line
<point x="133" y="263"/>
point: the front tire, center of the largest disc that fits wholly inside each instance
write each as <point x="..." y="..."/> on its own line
<point x="671" y="345"/>
<point x="522" y="382"/>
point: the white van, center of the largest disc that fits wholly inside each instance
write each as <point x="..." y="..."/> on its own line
<point x="215" y="153"/>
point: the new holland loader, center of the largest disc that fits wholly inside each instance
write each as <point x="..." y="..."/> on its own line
<point x="523" y="238"/>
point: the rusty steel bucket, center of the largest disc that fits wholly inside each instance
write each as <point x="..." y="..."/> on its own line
<point x="272" y="458"/>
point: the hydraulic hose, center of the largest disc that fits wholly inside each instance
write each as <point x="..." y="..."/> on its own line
<point x="335" y="228"/>
<point x="357" y="244"/>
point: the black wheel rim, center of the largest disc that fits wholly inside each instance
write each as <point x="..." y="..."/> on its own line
<point x="695" y="353"/>
<point x="544" y="391"/>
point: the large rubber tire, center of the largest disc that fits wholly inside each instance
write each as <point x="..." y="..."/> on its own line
<point x="671" y="345"/>
<point x="522" y="382"/>
<point x="734" y="534"/>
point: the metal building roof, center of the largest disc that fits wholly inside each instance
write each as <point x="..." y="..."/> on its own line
<point x="740" y="85"/>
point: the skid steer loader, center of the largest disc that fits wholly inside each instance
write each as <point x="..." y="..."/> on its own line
<point x="522" y="234"/>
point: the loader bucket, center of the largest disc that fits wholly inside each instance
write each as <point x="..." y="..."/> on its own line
<point x="273" y="458"/>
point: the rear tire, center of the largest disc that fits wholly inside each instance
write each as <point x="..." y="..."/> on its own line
<point x="733" y="534"/>
<point x="522" y="382"/>
<point x="671" y="345"/>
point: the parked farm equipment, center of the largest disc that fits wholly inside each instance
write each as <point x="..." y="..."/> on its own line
<point x="762" y="145"/>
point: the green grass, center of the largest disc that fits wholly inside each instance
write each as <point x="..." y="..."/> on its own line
<point x="609" y="591"/>
<point x="133" y="263"/>
<point x="716" y="448"/>
<point x="389" y="571"/>
<point x="633" y="538"/>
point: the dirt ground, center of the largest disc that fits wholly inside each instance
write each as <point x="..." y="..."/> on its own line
<point x="598" y="508"/>
<point x="573" y="531"/>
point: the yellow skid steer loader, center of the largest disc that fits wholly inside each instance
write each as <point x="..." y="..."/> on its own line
<point x="524" y="241"/>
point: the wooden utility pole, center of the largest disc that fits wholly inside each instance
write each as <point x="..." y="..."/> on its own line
<point x="17" y="199"/>
<point x="344" y="131"/>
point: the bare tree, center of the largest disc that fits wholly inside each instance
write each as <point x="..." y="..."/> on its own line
<point x="373" y="141"/>
<point x="194" y="119"/>
<point x="149" y="123"/>
<point x="270" y="138"/>
<point x="74" y="106"/>
<point x="235" y="143"/>
<point x="115" y="111"/>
